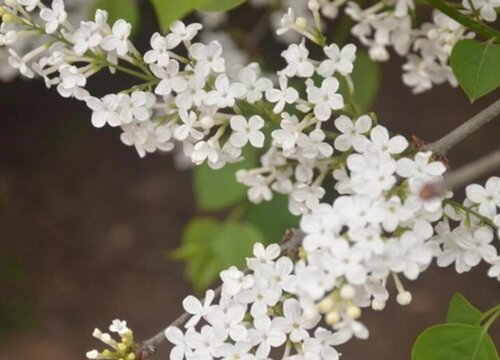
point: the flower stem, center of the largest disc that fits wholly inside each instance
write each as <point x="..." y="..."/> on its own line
<point x="470" y="211"/>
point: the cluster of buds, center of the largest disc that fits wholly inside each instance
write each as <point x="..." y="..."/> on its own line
<point x="120" y="350"/>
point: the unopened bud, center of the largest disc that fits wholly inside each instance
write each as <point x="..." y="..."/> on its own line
<point x="207" y="122"/>
<point x="301" y="22"/>
<point x="326" y="305"/>
<point x="92" y="354"/>
<point x="378" y="305"/>
<point x="313" y="5"/>
<point x="347" y="292"/>
<point x="332" y="318"/>
<point x="404" y="298"/>
<point x="353" y="312"/>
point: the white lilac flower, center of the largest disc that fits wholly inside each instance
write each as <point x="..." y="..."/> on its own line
<point x="87" y="36"/>
<point x="381" y="141"/>
<point x="159" y="53"/>
<point x="105" y="110"/>
<point x="288" y="135"/>
<point x="182" y="343"/>
<point x="267" y="334"/>
<point x="297" y="58"/>
<point x="293" y="322"/>
<point x="255" y="86"/>
<point x="135" y="106"/>
<point x="198" y="309"/>
<point x="282" y="96"/>
<point x="208" y="58"/>
<point x="314" y="146"/>
<point x="118" y="39"/>
<point x="119" y="326"/>
<point x="20" y="64"/>
<point x="188" y="127"/>
<point x="325" y="98"/>
<point x="340" y="61"/>
<point x="171" y="80"/>
<point x="72" y="82"/>
<point x="225" y="93"/>
<point x="179" y="32"/>
<point x="29" y="5"/>
<point x="421" y="167"/>
<point x="487" y="197"/>
<point x="287" y="21"/>
<point x="351" y="131"/>
<point x="247" y="131"/>
<point x="227" y="322"/>
<point x="54" y="16"/>
<point x="487" y="8"/>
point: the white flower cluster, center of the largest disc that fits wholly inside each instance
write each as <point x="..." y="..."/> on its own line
<point x="462" y="235"/>
<point x="76" y="10"/>
<point x="388" y="25"/>
<point x="378" y="229"/>
<point x="256" y="313"/>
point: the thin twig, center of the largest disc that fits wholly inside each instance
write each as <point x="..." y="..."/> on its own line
<point x="462" y="176"/>
<point x="443" y="145"/>
<point x="290" y="242"/>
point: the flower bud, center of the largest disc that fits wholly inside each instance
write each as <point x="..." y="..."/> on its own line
<point x="93" y="354"/>
<point x="353" y="312"/>
<point x="378" y="305"/>
<point x="313" y="5"/>
<point x="404" y="298"/>
<point x="332" y="318"/>
<point x="326" y="305"/>
<point x="347" y="292"/>
<point x="121" y="347"/>
<point x="207" y="122"/>
<point x="301" y="22"/>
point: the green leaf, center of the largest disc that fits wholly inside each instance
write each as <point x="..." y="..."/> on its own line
<point x="234" y="243"/>
<point x="366" y="80"/>
<point x="272" y="218"/>
<point x="461" y="311"/>
<point x="454" y="341"/>
<point x="167" y="11"/>
<point x="218" y="189"/>
<point x="202" y="266"/>
<point x="209" y="246"/>
<point x="119" y="9"/>
<point x="220" y="5"/>
<point x="477" y="67"/>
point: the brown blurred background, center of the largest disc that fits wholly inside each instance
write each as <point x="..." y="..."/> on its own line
<point x="85" y="224"/>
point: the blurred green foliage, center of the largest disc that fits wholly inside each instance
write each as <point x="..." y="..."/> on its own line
<point x="168" y="11"/>
<point x="209" y="246"/>
<point x="120" y="9"/>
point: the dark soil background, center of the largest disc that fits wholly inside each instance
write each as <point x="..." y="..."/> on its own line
<point x="90" y="222"/>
